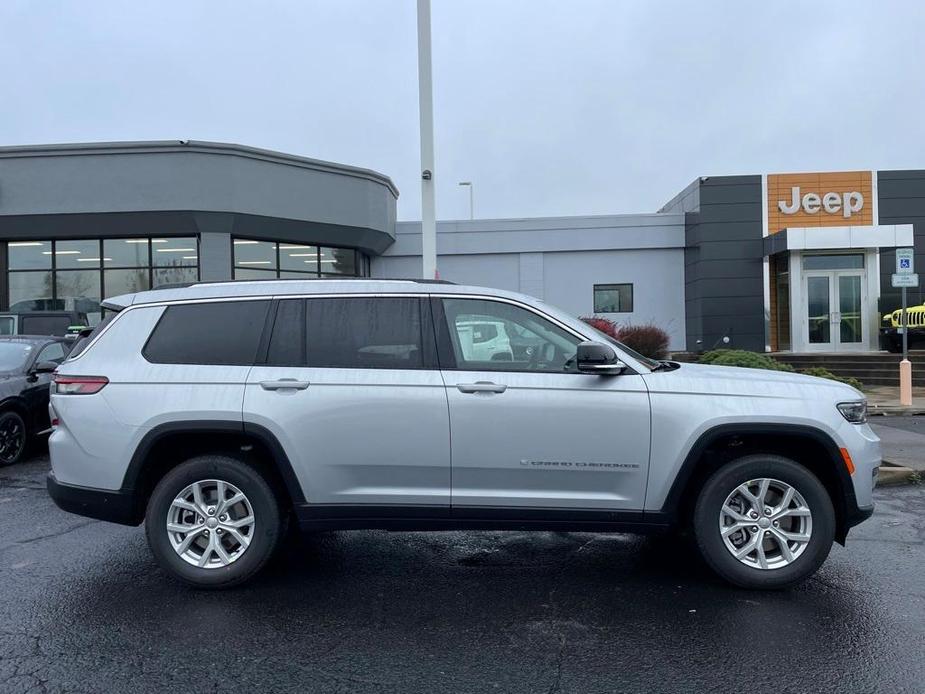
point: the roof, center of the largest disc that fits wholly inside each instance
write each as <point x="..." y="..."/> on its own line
<point x="204" y="146"/>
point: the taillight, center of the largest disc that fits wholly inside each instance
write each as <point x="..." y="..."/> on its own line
<point x="79" y="385"/>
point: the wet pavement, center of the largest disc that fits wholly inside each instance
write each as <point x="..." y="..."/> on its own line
<point x="84" y="609"/>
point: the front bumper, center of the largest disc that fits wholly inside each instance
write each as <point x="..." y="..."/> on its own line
<point x="103" y="504"/>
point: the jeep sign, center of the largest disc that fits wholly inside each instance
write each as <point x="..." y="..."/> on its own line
<point x="832" y="203"/>
<point x="808" y="200"/>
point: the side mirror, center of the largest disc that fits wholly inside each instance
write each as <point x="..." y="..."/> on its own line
<point x="45" y="367"/>
<point x="598" y="358"/>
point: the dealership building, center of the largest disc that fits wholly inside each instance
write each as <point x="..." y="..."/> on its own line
<point x="778" y="262"/>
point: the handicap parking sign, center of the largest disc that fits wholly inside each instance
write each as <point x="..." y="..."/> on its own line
<point x="904" y="262"/>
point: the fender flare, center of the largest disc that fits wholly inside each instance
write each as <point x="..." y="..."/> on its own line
<point x="710" y="436"/>
<point x="279" y="458"/>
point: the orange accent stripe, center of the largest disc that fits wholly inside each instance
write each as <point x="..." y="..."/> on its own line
<point x="846" y="456"/>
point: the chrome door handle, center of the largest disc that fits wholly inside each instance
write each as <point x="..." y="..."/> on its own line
<point x="284" y="384"/>
<point x="481" y="387"/>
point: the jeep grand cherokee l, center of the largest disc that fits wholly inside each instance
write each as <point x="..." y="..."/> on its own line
<point x="218" y="413"/>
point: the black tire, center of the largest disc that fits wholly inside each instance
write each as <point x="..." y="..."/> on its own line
<point x="713" y="496"/>
<point x="13" y="438"/>
<point x="268" y="515"/>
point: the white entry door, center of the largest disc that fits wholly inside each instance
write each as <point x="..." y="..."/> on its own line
<point x="834" y="310"/>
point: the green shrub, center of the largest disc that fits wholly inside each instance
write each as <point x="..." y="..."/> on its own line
<point x="743" y="358"/>
<point x="756" y="360"/>
<point x="823" y="372"/>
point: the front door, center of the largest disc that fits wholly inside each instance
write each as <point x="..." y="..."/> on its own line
<point x="527" y="430"/>
<point x="834" y="310"/>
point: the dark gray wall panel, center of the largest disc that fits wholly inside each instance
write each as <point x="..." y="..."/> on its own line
<point x="901" y="200"/>
<point x="724" y="265"/>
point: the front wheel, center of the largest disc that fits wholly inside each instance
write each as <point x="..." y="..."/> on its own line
<point x="213" y="522"/>
<point x="764" y="521"/>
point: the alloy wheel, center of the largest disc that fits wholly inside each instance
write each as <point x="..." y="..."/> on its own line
<point x="210" y="524"/>
<point x="12" y="439"/>
<point x="765" y="523"/>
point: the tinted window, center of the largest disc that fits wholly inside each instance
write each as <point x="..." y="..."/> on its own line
<point x="287" y="341"/>
<point x="382" y="333"/>
<point x="44" y="325"/>
<point x="496" y="336"/>
<point x="209" y="333"/>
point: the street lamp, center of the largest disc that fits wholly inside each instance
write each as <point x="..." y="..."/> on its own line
<point x="471" y="203"/>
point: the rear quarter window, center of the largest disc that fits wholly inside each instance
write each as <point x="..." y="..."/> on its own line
<point x="220" y="333"/>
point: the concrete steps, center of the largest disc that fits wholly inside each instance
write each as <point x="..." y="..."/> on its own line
<point x="872" y="368"/>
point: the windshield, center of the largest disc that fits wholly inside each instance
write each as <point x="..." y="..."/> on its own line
<point x="14" y="355"/>
<point x="651" y="363"/>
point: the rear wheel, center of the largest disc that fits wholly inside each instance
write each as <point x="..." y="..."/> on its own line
<point x="764" y="521"/>
<point x="12" y="438"/>
<point x="213" y="522"/>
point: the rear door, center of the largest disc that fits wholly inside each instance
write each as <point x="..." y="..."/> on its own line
<point x="528" y="430"/>
<point x="350" y="387"/>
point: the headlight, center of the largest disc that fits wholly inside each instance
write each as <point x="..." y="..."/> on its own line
<point x="855" y="412"/>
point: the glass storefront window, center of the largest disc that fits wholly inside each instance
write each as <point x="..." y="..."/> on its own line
<point x="74" y="275"/>
<point x="338" y="261"/>
<point x="30" y="255"/>
<point x="31" y="291"/>
<point x="254" y="254"/>
<point x="298" y="258"/>
<point x="175" y="275"/>
<point x="245" y="273"/>
<point x="126" y="253"/>
<point x="77" y="254"/>
<point x="834" y="261"/>
<point x="292" y="260"/>
<point x="174" y="252"/>
<point x="126" y="281"/>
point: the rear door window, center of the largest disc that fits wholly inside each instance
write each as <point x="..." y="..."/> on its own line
<point x="221" y="333"/>
<point x="365" y="333"/>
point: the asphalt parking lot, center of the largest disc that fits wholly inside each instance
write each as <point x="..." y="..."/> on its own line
<point x="84" y="609"/>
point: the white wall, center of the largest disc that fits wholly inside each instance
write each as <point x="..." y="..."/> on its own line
<point x="542" y="258"/>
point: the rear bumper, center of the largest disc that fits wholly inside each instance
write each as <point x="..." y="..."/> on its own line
<point x="102" y="504"/>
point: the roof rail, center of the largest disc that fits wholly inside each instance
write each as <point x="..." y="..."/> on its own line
<point x="308" y="279"/>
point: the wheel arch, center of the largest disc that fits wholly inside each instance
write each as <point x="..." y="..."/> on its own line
<point x="812" y="448"/>
<point x="17" y="405"/>
<point x="168" y="445"/>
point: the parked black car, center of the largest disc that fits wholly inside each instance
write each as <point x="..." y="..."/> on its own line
<point x="26" y="364"/>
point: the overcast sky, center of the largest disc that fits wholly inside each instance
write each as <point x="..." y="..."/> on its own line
<point x="550" y="108"/>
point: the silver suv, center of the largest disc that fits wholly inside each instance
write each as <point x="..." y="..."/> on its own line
<point x="219" y="413"/>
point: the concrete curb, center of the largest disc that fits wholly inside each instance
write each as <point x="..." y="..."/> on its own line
<point x="892" y="475"/>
